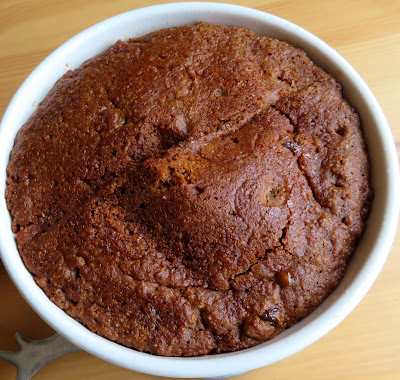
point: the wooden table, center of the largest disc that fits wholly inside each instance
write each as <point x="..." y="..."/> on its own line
<point x="367" y="33"/>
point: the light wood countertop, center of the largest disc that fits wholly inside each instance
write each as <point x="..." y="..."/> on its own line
<point x="366" y="345"/>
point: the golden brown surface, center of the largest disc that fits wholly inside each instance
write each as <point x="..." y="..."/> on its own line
<point x="364" y="337"/>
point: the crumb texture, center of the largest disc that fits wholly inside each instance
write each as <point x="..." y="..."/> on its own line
<point x="196" y="190"/>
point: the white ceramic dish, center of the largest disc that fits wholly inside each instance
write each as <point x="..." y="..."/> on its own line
<point x="371" y="252"/>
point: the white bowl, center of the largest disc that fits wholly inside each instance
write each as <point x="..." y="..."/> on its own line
<point x="366" y="263"/>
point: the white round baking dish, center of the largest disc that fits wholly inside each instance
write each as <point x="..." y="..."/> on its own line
<point x="371" y="252"/>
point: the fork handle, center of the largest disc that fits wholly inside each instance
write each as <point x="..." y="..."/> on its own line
<point x="35" y="354"/>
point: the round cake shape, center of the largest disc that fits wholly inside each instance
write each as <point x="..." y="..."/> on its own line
<point x="195" y="190"/>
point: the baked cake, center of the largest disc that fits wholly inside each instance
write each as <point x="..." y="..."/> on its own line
<point x="196" y="190"/>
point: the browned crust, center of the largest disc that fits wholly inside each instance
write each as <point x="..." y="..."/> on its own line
<point x="195" y="190"/>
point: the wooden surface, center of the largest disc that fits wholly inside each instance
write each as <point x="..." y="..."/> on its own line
<point x="367" y="33"/>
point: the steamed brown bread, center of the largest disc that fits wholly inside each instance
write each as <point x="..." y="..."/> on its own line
<point x="195" y="190"/>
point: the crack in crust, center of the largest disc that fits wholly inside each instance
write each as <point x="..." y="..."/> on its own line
<point x="196" y="206"/>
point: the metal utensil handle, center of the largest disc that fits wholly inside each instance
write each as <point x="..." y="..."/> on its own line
<point x="34" y="354"/>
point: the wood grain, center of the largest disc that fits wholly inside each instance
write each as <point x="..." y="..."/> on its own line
<point x="367" y="33"/>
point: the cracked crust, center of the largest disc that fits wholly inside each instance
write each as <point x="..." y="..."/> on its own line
<point x="195" y="190"/>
